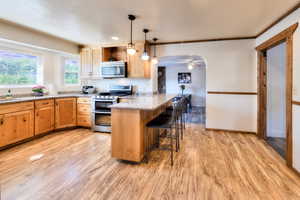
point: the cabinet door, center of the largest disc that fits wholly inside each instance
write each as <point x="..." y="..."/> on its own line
<point x="65" y="112"/>
<point x="2" y="141"/>
<point x="83" y="113"/>
<point x="97" y="58"/>
<point x="138" y="68"/>
<point x="17" y="126"/>
<point x="44" y="120"/>
<point x="86" y="63"/>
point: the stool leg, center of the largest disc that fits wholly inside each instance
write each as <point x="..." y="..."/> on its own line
<point x="171" y="148"/>
<point x="147" y="148"/>
<point x="181" y="126"/>
<point x="158" y="138"/>
<point x="177" y="136"/>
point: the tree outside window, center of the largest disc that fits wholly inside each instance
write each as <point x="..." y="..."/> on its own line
<point x="19" y="69"/>
<point x="71" y="73"/>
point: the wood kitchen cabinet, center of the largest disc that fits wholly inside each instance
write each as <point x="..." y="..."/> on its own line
<point x="44" y="116"/>
<point x="16" y="122"/>
<point x="138" y="68"/>
<point x="84" y="112"/>
<point x="90" y="60"/>
<point x="65" y="112"/>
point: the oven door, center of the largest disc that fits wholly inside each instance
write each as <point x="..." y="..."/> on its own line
<point x="101" y="115"/>
<point x="101" y="122"/>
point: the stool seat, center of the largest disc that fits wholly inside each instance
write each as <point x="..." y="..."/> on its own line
<point x="162" y="121"/>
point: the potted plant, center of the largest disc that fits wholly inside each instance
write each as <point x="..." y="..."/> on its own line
<point x="182" y="87"/>
<point x="38" y="90"/>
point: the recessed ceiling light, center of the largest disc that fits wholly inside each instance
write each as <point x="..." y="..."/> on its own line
<point x="114" y="38"/>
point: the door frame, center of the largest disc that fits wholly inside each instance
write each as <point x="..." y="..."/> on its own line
<point x="284" y="36"/>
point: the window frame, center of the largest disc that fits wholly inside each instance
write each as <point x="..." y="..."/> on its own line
<point x="64" y="71"/>
<point x="40" y="67"/>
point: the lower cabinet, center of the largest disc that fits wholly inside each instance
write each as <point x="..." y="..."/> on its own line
<point x="20" y="121"/>
<point x="65" y="112"/>
<point x="16" y="126"/>
<point x="44" y="116"/>
<point x="84" y="112"/>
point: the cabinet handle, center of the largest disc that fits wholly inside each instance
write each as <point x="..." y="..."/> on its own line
<point x="24" y="120"/>
<point x="1" y="121"/>
<point x="37" y="113"/>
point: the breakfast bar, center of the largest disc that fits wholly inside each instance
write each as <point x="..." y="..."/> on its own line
<point x="129" y="119"/>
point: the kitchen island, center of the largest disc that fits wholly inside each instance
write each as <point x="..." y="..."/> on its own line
<point x="129" y="119"/>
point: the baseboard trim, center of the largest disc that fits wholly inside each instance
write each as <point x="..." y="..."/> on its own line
<point x="295" y="170"/>
<point x="231" y="131"/>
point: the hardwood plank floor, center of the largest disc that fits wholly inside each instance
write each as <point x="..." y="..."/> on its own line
<point x="77" y="164"/>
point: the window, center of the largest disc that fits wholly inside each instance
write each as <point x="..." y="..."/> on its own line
<point x="18" y="69"/>
<point x="71" y="73"/>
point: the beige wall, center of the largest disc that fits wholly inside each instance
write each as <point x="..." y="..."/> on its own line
<point x="24" y="35"/>
<point x="231" y="66"/>
<point x="285" y="23"/>
<point x="52" y="67"/>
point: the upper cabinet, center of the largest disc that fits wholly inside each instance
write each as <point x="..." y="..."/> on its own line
<point x="90" y="59"/>
<point x="138" y="68"/>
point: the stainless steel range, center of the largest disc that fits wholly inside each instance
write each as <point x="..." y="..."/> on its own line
<point x="101" y="112"/>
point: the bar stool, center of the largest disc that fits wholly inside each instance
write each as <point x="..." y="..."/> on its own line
<point x="182" y="103"/>
<point x="169" y="123"/>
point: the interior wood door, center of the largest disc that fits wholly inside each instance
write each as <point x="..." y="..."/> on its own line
<point x="17" y="126"/>
<point x="65" y="112"/>
<point x="44" y="120"/>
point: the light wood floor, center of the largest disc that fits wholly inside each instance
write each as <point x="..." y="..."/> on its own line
<point x="77" y="165"/>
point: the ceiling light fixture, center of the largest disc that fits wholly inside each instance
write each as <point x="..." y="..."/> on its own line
<point x="130" y="48"/>
<point x="115" y="38"/>
<point x="154" y="59"/>
<point x="191" y="66"/>
<point x="145" y="55"/>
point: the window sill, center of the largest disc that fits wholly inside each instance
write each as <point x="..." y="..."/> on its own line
<point x="17" y="86"/>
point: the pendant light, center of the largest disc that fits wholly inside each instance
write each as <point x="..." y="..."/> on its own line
<point x="130" y="48"/>
<point x="190" y="66"/>
<point x="154" y="59"/>
<point x="145" y="55"/>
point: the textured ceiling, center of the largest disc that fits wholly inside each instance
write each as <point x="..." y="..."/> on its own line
<point x="96" y="21"/>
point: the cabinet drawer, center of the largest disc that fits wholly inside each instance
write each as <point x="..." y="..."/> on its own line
<point x="84" y="120"/>
<point x="84" y="100"/>
<point x="83" y="109"/>
<point x="124" y="100"/>
<point x="44" y="103"/>
<point x="16" y="107"/>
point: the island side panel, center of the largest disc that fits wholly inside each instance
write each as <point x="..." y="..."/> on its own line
<point x="127" y="134"/>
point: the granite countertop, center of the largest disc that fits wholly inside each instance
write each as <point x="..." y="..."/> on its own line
<point x="33" y="98"/>
<point x="144" y="102"/>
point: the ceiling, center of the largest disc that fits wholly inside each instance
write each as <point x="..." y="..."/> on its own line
<point x="184" y="60"/>
<point x="95" y="21"/>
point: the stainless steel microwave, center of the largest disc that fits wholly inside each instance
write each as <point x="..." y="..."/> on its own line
<point x="113" y="69"/>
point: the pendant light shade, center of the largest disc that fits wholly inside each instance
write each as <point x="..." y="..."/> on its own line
<point x="131" y="48"/>
<point x="145" y="55"/>
<point x="154" y="59"/>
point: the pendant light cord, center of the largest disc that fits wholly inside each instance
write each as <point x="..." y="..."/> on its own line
<point x="130" y="31"/>
<point x="145" y="43"/>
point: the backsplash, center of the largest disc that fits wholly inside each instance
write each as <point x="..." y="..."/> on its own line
<point x="139" y="85"/>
